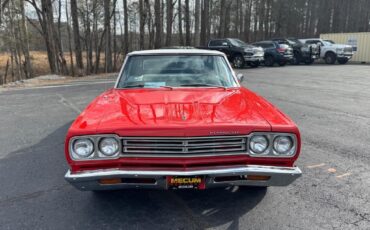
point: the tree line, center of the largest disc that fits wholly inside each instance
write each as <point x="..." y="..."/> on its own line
<point x="92" y="36"/>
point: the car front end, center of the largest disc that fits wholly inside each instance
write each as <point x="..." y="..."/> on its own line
<point x="253" y="54"/>
<point x="179" y="119"/>
<point x="178" y="162"/>
<point x="344" y="52"/>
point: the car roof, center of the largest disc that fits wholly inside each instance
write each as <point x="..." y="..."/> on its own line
<point x="307" y="39"/>
<point x="176" y="51"/>
<point x="266" y="41"/>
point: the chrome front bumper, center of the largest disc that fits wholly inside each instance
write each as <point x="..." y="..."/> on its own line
<point x="279" y="176"/>
<point x="345" y="55"/>
<point x="253" y="58"/>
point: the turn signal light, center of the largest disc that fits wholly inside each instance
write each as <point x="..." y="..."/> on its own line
<point x="258" y="177"/>
<point x="110" y="181"/>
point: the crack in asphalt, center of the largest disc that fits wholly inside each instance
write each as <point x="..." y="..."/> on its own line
<point x="202" y="224"/>
<point x="322" y="108"/>
<point x="32" y="195"/>
<point x="345" y="152"/>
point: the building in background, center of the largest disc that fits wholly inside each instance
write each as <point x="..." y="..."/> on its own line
<point x="359" y="41"/>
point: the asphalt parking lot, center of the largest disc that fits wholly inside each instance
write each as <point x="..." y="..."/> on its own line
<point x="330" y="104"/>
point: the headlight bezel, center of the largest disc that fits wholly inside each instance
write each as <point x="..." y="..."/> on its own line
<point x="97" y="153"/>
<point x="270" y="152"/>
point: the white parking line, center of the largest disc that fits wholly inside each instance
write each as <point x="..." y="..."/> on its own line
<point x="343" y="175"/>
<point x="315" y="166"/>
<point x="68" y="104"/>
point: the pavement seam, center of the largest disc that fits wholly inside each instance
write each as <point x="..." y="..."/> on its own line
<point x="68" y="103"/>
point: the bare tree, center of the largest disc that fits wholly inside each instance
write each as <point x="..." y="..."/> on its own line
<point x="108" y="47"/>
<point x="204" y="22"/>
<point x="76" y="36"/>
<point x="179" y="13"/>
<point x="125" y="15"/>
<point x="187" y="23"/>
<point x="25" y="43"/>
<point x="197" y="22"/>
<point x="69" y="40"/>
<point x="142" y="13"/>
<point x="158" y="24"/>
<point x="169" y="21"/>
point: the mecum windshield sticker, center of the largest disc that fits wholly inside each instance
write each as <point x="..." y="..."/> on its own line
<point x="138" y="78"/>
<point x="154" y="84"/>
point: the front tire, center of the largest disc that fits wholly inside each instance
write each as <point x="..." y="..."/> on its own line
<point x="282" y="63"/>
<point x="269" y="61"/>
<point x="296" y="59"/>
<point x="330" y="58"/>
<point x="238" y="62"/>
<point x="254" y="64"/>
<point x="343" y="61"/>
<point x="309" y="61"/>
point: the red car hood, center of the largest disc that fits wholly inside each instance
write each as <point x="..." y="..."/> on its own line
<point x="177" y="112"/>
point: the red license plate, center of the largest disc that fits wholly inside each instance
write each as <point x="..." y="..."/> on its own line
<point x="186" y="182"/>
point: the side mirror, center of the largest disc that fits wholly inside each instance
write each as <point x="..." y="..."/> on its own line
<point x="240" y="77"/>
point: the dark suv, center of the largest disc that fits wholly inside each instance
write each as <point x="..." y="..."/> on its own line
<point x="301" y="52"/>
<point x="238" y="52"/>
<point x="275" y="52"/>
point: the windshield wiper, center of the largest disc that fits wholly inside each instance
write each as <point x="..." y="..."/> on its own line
<point x="142" y="86"/>
<point x="200" y="85"/>
<point x="134" y="86"/>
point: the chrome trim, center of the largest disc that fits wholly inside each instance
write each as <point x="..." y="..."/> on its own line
<point x="97" y="155"/>
<point x="183" y="145"/>
<point x="270" y="152"/>
<point x="254" y="58"/>
<point x="279" y="176"/>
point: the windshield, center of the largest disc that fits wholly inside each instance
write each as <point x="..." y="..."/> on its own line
<point x="154" y="71"/>
<point x="330" y="41"/>
<point x="327" y="43"/>
<point x="237" y="42"/>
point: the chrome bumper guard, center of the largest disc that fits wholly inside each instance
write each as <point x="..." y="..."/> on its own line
<point x="253" y="58"/>
<point x="278" y="176"/>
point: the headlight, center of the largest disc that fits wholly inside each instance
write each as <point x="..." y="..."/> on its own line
<point x="340" y="50"/>
<point x="283" y="145"/>
<point x="108" y="146"/>
<point x="258" y="144"/>
<point x="83" y="147"/>
<point x="270" y="144"/>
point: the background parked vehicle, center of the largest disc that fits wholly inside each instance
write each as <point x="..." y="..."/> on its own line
<point x="302" y="53"/>
<point x="275" y="52"/>
<point x="331" y="52"/>
<point x="238" y="52"/>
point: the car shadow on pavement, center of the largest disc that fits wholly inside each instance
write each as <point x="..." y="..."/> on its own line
<point x="181" y="209"/>
<point x="35" y="194"/>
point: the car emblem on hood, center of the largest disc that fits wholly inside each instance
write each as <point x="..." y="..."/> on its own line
<point x="224" y="132"/>
<point x="183" y="117"/>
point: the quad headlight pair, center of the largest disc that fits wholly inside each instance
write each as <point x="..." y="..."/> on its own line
<point x="97" y="148"/>
<point x="272" y="145"/>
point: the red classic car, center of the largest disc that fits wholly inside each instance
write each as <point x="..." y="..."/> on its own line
<point x="180" y="119"/>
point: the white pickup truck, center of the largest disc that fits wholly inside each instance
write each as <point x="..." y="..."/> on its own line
<point x="331" y="52"/>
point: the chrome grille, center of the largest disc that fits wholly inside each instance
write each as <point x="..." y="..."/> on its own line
<point x="348" y="49"/>
<point x="183" y="146"/>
